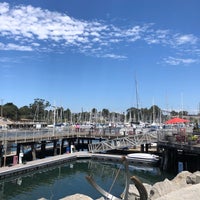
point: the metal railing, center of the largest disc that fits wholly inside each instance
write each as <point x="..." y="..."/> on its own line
<point x="34" y="135"/>
<point x="124" y="142"/>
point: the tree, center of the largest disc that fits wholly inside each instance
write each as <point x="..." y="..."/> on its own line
<point x="183" y="113"/>
<point x="145" y="115"/>
<point x="173" y="113"/>
<point x="94" y="115"/>
<point x="38" y="109"/>
<point x="105" y="113"/>
<point x="11" y="111"/>
<point x="134" y="114"/>
<point x="155" y="112"/>
<point x="25" y="112"/>
<point x="67" y="115"/>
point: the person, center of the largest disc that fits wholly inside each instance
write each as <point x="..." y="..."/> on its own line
<point x="109" y="127"/>
<point x="134" y="128"/>
<point x="77" y="127"/>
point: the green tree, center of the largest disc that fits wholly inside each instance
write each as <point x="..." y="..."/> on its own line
<point x="25" y="112"/>
<point x="155" y="112"/>
<point x="134" y="114"/>
<point x="105" y="113"/>
<point x="11" y="111"/>
<point x="94" y="115"/>
<point x="174" y="113"/>
<point x="38" y="109"/>
<point x="183" y="113"/>
<point x="67" y="115"/>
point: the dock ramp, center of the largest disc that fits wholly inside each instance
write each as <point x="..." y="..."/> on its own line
<point x="124" y="142"/>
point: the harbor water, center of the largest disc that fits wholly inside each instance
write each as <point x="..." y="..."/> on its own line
<point x="70" y="178"/>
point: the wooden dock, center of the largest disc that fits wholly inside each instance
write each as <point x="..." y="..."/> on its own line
<point x="175" y="152"/>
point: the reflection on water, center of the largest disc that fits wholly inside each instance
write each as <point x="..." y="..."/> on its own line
<point x="64" y="180"/>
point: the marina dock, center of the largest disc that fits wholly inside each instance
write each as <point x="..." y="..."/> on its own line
<point x="48" y="148"/>
<point x="18" y="169"/>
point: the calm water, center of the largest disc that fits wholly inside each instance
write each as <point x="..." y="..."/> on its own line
<point x="64" y="180"/>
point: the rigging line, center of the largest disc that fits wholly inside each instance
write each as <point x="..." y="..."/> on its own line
<point x="114" y="180"/>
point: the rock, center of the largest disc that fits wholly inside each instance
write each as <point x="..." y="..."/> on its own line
<point x="161" y="188"/>
<point x="178" y="188"/>
<point x="186" y="193"/>
<point x="180" y="179"/>
<point x="193" y="178"/>
<point x="77" y="197"/>
<point x="133" y="192"/>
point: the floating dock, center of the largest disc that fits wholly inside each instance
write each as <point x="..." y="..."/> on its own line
<point x="15" y="170"/>
<point x="40" y="164"/>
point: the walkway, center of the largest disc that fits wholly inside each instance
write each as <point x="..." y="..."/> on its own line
<point x="40" y="163"/>
<point x="124" y="142"/>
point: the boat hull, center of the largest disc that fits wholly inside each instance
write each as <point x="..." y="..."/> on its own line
<point x="143" y="158"/>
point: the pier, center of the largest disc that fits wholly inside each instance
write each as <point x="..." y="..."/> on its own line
<point x="173" y="149"/>
<point x="179" y="148"/>
<point x="175" y="153"/>
<point x="64" y="141"/>
<point x="59" y="141"/>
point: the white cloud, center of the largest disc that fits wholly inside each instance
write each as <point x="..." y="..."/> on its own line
<point x="4" y="7"/>
<point x="35" y="44"/>
<point x="5" y="60"/>
<point x="157" y="37"/>
<point x="180" y="61"/>
<point x="11" y="46"/>
<point x="34" y="26"/>
<point x="114" y="56"/>
<point x="185" y="39"/>
<point x="27" y="28"/>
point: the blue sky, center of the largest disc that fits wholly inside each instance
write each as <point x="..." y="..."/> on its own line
<point x="84" y="54"/>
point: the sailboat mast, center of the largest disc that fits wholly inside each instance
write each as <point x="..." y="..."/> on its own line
<point x="137" y="103"/>
<point x="153" y="111"/>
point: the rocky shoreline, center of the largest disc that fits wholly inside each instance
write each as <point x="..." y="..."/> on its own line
<point x="185" y="186"/>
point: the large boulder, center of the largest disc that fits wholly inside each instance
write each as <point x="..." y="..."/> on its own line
<point x="193" y="178"/>
<point x="77" y="197"/>
<point x="164" y="190"/>
<point x="161" y="188"/>
<point x="192" y="192"/>
<point x="181" y="178"/>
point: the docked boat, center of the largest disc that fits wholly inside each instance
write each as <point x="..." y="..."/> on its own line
<point x="143" y="158"/>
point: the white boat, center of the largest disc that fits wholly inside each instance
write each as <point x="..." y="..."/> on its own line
<point x="143" y="158"/>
